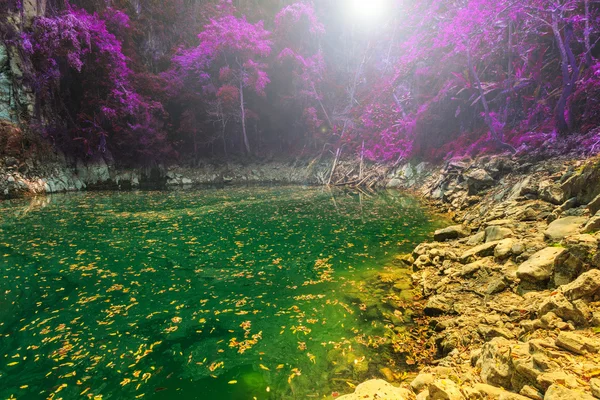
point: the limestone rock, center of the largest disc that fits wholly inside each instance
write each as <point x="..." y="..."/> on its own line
<point x="551" y="193"/>
<point x="496" y="393"/>
<point x="483" y="250"/>
<point x="507" y="248"/>
<point x="585" y="184"/>
<point x="476" y="239"/>
<point x="566" y="268"/>
<point x="531" y="393"/>
<point x="424" y="395"/>
<point x="97" y="171"/>
<point x="473" y="267"/>
<point x="548" y="379"/>
<point x="437" y="305"/>
<point x="495" y="233"/>
<point x="495" y="362"/>
<point x="559" y="392"/>
<point x="595" y="386"/>
<point x="594" y="205"/>
<point x="540" y="266"/>
<point x="563" y="308"/>
<point x="477" y="180"/>
<point x="496" y="285"/>
<point x="394" y="183"/>
<point x="564" y="227"/>
<point x="380" y="390"/>
<point x="421" y="382"/>
<point x="451" y="232"/>
<point x="577" y="344"/>
<point x="530" y="211"/>
<point x="500" y="222"/>
<point x="584" y="247"/>
<point x="522" y="188"/>
<point x="586" y="286"/>
<point x="569" y="204"/>
<point x="444" y="389"/>
<point x="593" y="224"/>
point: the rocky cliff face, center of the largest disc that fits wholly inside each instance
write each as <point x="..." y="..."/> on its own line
<point x="15" y="99"/>
<point x="35" y="169"/>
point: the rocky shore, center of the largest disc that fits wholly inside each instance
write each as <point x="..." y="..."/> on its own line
<point x="512" y="291"/>
<point x="31" y="177"/>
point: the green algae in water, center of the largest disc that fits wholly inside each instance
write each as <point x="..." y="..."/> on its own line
<point x="217" y="294"/>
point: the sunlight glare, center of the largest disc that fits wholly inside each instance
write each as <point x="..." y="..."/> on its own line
<point x="368" y="10"/>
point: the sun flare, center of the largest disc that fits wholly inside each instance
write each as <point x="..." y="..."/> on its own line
<point x="368" y="10"/>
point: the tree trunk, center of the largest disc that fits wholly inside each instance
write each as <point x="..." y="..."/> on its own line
<point x="486" y="107"/>
<point x="362" y="157"/>
<point x="245" y="136"/>
<point x="335" y="161"/>
<point x="568" y="78"/>
<point x="223" y="126"/>
<point x="496" y="136"/>
<point x="588" y="46"/>
<point x="195" y="147"/>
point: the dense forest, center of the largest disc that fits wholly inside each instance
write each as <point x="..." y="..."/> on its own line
<point x="386" y="79"/>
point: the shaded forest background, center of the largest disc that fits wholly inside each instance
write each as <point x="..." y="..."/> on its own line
<point x="179" y="80"/>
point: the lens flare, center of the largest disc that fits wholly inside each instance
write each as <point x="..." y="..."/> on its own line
<point x="368" y="10"/>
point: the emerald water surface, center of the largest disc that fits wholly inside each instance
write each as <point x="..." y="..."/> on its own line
<point x="238" y="293"/>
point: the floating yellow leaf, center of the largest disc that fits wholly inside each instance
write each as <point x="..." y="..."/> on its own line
<point x="232" y="382"/>
<point x="263" y="367"/>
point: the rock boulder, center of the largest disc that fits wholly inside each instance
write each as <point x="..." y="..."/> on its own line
<point x="378" y="389"/>
<point x="564" y="227"/>
<point x="451" y="232"/>
<point x="540" y="266"/>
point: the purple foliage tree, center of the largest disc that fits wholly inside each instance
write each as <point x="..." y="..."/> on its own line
<point x="230" y="55"/>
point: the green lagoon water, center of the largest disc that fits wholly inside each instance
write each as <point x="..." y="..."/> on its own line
<point x="239" y="293"/>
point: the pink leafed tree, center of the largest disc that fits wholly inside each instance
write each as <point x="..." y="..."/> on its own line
<point x="231" y="53"/>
